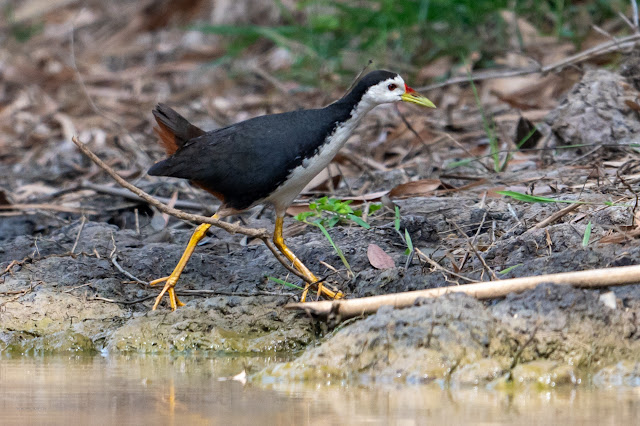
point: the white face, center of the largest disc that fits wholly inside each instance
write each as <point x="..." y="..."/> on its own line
<point x="390" y="90"/>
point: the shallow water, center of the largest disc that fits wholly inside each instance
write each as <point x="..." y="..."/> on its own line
<point x="187" y="390"/>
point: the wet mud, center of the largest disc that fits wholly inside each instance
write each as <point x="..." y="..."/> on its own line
<point x="58" y="302"/>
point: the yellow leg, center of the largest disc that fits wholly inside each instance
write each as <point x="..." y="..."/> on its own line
<point x="278" y="240"/>
<point x="172" y="279"/>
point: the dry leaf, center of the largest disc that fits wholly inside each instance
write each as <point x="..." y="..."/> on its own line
<point x="378" y="258"/>
<point x="418" y="188"/>
<point x="371" y="196"/>
<point x="632" y="104"/>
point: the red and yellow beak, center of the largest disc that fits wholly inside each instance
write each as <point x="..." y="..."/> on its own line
<point x="411" y="95"/>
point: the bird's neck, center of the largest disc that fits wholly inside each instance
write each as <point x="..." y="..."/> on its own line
<point x="352" y="110"/>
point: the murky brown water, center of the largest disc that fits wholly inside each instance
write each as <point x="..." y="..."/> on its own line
<point x="186" y="390"/>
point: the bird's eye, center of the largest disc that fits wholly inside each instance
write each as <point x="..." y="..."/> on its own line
<point x="392" y="87"/>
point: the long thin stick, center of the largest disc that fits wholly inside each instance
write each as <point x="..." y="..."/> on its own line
<point x="261" y="233"/>
<point x="344" y="309"/>
<point x="180" y="204"/>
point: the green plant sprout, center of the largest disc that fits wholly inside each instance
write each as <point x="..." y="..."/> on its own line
<point x="331" y="211"/>
<point x="409" y="252"/>
<point x="489" y="128"/>
<point x="587" y="235"/>
<point x="327" y="212"/>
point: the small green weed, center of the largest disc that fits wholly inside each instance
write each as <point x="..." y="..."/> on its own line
<point x="406" y="237"/>
<point x="327" y="212"/>
<point x="330" y="211"/>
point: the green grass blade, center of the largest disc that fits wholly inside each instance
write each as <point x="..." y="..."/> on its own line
<point x="527" y="137"/>
<point x="396" y="223"/>
<point x="587" y="235"/>
<point x="460" y="163"/>
<point x="407" y="239"/>
<point x="335" y="247"/>
<point x="534" y="198"/>
<point x="284" y="283"/>
<point x="509" y="269"/>
<point x="374" y="208"/>
<point x="359" y="221"/>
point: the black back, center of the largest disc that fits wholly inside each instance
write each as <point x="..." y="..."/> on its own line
<point x="247" y="161"/>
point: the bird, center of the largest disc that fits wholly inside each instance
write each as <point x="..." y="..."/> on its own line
<point x="268" y="159"/>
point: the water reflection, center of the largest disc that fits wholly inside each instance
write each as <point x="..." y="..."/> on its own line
<point x="186" y="390"/>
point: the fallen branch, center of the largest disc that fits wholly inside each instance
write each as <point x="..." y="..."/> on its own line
<point x="181" y="204"/>
<point x="344" y="309"/>
<point x="260" y="233"/>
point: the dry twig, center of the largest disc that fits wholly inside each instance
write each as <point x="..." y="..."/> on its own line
<point x="129" y="275"/>
<point x="439" y="267"/>
<point x="557" y="215"/>
<point x="181" y="204"/>
<point x="475" y="251"/>
<point x="487" y="290"/>
<point x="75" y="244"/>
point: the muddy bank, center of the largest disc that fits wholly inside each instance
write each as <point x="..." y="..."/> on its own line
<point x="546" y="337"/>
<point x="58" y="302"/>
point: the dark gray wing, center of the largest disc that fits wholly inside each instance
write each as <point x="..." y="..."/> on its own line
<point x="247" y="161"/>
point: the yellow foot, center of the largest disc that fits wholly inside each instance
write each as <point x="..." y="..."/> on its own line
<point x="321" y="290"/>
<point x="169" y="289"/>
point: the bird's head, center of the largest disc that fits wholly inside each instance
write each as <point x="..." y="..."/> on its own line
<point x="381" y="87"/>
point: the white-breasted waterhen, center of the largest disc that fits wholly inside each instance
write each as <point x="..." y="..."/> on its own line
<point x="267" y="159"/>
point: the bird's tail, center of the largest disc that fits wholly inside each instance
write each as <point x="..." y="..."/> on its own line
<point x="173" y="129"/>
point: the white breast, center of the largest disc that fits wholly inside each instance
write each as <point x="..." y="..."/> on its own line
<point x="299" y="177"/>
